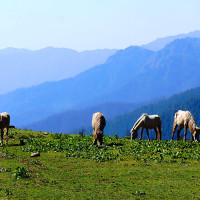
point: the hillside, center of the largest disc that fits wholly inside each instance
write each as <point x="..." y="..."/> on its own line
<point x="71" y="167"/>
<point x="26" y="68"/>
<point x="189" y="100"/>
<point x="72" y="119"/>
<point x="131" y="75"/>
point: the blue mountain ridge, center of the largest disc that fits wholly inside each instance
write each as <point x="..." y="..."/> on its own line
<point x="24" y="68"/>
<point x="131" y="75"/>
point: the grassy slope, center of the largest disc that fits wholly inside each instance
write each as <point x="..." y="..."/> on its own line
<point x="137" y="173"/>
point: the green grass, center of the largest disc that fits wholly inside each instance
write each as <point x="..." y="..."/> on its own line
<point x="70" y="167"/>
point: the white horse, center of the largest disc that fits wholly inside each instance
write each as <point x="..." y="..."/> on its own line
<point x="4" y="123"/>
<point x="184" y="119"/>
<point x="148" y="122"/>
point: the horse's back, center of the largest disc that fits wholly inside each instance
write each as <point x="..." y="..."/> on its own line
<point x="98" y="119"/>
<point x="181" y="117"/>
<point x="152" y="121"/>
<point x="155" y="118"/>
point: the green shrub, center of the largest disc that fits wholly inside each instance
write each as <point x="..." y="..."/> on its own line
<point x="21" y="172"/>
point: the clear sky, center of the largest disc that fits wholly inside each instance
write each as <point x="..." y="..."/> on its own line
<point x="93" y="24"/>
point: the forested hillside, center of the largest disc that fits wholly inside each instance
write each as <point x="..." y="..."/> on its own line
<point x="189" y="100"/>
<point x="71" y="119"/>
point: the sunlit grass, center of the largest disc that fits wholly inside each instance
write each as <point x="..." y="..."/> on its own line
<point x="70" y="167"/>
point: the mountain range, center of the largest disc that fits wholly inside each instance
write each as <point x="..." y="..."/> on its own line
<point x="160" y="43"/>
<point x="25" y="68"/>
<point x="131" y="77"/>
<point x="22" y="68"/>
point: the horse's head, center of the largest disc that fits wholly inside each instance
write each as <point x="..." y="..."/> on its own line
<point x="134" y="133"/>
<point x="196" y="133"/>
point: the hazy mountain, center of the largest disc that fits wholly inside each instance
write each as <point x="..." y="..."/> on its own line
<point x="24" y="68"/>
<point x="173" y="69"/>
<point x="161" y="42"/>
<point x="131" y="75"/>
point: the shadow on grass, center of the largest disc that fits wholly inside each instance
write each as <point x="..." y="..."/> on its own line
<point x="115" y="144"/>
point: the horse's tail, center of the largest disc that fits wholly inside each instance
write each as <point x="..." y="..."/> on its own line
<point x="160" y="129"/>
<point x="175" y="121"/>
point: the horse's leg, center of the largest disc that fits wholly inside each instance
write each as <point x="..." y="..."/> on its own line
<point x="195" y="137"/>
<point x="174" y="130"/>
<point x="192" y="138"/>
<point x="156" y="133"/>
<point x="1" y="143"/>
<point x="100" y="139"/>
<point x="160" y="132"/>
<point x="7" y="134"/>
<point x="141" y="133"/>
<point x="94" y="137"/>
<point x="148" y="134"/>
<point x="178" y="133"/>
<point x="185" y="132"/>
<point x="94" y="140"/>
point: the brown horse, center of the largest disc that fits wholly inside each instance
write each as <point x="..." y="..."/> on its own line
<point x="184" y="119"/>
<point x="98" y="124"/>
<point x="4" y="123"/>
<point x="148" y="122"/>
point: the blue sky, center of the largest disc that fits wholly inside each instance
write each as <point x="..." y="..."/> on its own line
<point x="93" y="24"/>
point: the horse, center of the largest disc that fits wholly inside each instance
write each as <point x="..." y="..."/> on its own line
<point x="4" y="123"/>
<point x="148" y="122"/>
<point x="98" y="124"/>
<point x="184" y="119"/>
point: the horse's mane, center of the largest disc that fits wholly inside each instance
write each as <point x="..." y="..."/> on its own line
<point x="191" y="121"/>
<point x="137" y="122"/>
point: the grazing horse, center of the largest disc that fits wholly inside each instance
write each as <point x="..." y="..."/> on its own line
<point x="4" y="123"/>
<point x="148" y="122"/>
<point x="184" y="119"/>
<point x="98" y="124"/>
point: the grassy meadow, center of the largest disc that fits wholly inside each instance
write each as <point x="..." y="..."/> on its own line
<point x="70" y="167"/>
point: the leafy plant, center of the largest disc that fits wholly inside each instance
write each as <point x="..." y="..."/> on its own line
<point x="139" y="192"/>
<point x="20" y="172"/>
<point x="8" y="192"/>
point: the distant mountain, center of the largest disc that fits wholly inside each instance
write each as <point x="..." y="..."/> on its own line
<point x="131" y="75"/>
<point x="37" y="102"/>
<point x="171" y="70"/>
<point x="24" y="68"/>
<point x="188" y="100"/>
<point x="160" y="43"/>
<point x="67" y="121"/>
